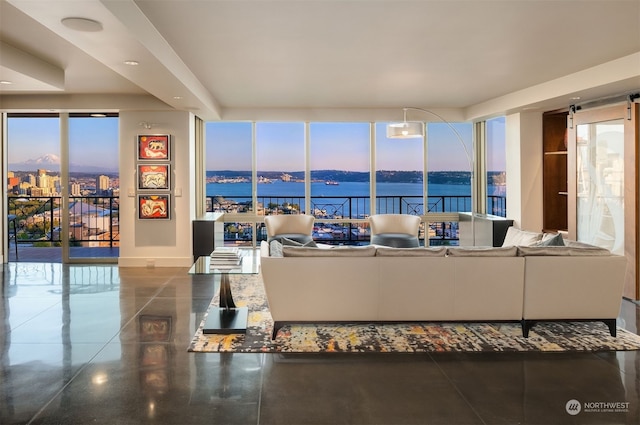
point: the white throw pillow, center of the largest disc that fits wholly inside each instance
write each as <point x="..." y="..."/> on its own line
<point x="517" y="237"/>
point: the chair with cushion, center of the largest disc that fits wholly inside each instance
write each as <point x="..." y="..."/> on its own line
<point x="294" y="227"/>
<point x="395" y="230"/>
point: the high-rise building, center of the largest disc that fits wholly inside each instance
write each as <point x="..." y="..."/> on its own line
<point x="75" y="189"/>
<point x="102" y="184"/>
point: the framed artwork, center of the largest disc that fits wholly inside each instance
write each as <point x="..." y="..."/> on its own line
<point x="153" y="207"/>
<point x="154" y="147"/>
<point x="153" y="176"/>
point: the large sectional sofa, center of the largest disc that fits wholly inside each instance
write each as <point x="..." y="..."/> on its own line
<point x="371" y="283"/>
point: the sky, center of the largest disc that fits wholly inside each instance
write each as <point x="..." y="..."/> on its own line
<point x="342" y="146"/>
<point x="92" y="141"/>
<point x="280" y="146"/>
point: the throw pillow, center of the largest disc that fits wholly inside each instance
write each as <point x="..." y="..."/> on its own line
<point x="517" y="237"/>
<point x="291" y="242"/>
<point x="275" y="249"/>
<point x="549" y="239"/>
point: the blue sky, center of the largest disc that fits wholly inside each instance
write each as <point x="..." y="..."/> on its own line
<point x="92" y="141"/>
<point x="344" y="146"/>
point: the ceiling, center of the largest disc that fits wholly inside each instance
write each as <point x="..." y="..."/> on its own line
<point x="218" y="56"/>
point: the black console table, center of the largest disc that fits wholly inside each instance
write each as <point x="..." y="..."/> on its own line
<point x="208" y="233"/>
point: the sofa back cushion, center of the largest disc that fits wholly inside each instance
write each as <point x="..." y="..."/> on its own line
<point x="411" y="252"/>
<point x="507" y="251"/>
<point x="338" y="251"/>
<point x="554" y="251"/>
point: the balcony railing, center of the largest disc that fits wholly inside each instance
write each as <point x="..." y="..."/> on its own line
<point x="36" y="220"/>
<point x="350" y="209"/>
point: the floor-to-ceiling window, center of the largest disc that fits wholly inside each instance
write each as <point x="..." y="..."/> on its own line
<point x="326" y="169"/>
<point x="229" y="171"/>
<point x="340" y="179"/>
<point x="33" y="176"/>
<point x="495" y="160"/>
<point x="39" y="164"/>
<point x="449" y="167"/>
<point x="280" y="165"/>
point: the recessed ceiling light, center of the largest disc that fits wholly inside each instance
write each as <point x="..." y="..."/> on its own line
<point x="177" y="97"/>
<point x="5" y="82"/>
<point x="98" y="115"/>
<point x="82" y="24"/>
<point x="131" y="62"/>
<point x="575" y="98"/>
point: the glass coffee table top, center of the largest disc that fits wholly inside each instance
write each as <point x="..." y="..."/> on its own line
<point x="227" y="318"/>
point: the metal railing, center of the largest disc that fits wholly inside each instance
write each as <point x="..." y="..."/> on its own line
<point x="36" y="220"/>
<point x="350" y="209"/>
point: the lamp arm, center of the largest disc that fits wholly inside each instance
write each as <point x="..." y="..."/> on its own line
<point x="441" y="118"/>
<point x="469" y="159"/>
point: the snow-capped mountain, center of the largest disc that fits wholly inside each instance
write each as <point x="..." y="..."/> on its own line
<point x="51" y="162"/>
<point x="48" y="159"/>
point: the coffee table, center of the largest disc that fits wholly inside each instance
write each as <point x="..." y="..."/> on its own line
<point x="227" y="318"/>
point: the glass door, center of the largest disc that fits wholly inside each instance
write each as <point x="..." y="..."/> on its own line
<point x="600" y="184"/>
<point x="62" y="188"/>
<point x="93" y="192"/>
<point x="603" y="201"/>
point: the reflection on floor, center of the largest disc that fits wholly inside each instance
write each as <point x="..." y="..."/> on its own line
<point x="102" y="345"/>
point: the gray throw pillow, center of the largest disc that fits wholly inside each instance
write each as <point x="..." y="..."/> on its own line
<point x="551" y="240"/>
<point x="291" y="242"/>
<point x="275" y="249"/>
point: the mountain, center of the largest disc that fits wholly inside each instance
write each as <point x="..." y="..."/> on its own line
<point x="51" y="162"/>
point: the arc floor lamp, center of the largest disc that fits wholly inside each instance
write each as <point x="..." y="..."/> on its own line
<point x="411" y="129"/>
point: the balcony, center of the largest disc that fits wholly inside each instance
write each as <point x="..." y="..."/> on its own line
<point x="34" y="226"/>
<point x="34" y="222"/>
<point x="342" y="220"/>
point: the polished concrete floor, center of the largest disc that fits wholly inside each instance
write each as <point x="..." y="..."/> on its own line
<point x="101" y="345"/>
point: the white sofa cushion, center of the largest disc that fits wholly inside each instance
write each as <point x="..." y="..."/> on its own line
<point x="517" y="237"/>
<point x="507" y="251"/>
<point x="338" y="251"/>
<point x="411" y="252"/>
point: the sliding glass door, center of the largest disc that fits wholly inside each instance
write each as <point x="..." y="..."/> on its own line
<point x="603" y="201"/>
<point x="62" y="187"/>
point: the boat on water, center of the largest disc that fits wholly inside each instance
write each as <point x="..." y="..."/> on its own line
<point x="331" y="183"/>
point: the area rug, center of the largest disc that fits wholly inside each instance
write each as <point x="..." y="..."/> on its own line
<point x="404" y="337"/>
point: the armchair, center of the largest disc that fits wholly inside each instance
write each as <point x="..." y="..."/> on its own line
<point x="395" y="230"/>
<point x="297" y="227"/>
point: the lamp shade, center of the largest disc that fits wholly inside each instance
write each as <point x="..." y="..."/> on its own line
<point x="405" y="130"/>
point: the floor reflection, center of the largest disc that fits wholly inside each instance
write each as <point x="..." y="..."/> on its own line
<point x="102" y="344"/>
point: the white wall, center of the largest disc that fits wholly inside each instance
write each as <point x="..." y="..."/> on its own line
<point x="524" y="170"/>
<point x="163" y="243"/>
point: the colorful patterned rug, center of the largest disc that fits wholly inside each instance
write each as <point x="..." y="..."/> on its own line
<point x="406" y="337"/>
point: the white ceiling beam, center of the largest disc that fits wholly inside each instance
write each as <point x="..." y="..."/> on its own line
<point x="27" y="72"/>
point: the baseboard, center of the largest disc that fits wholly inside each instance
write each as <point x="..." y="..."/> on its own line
<point x="155" y="262"/>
